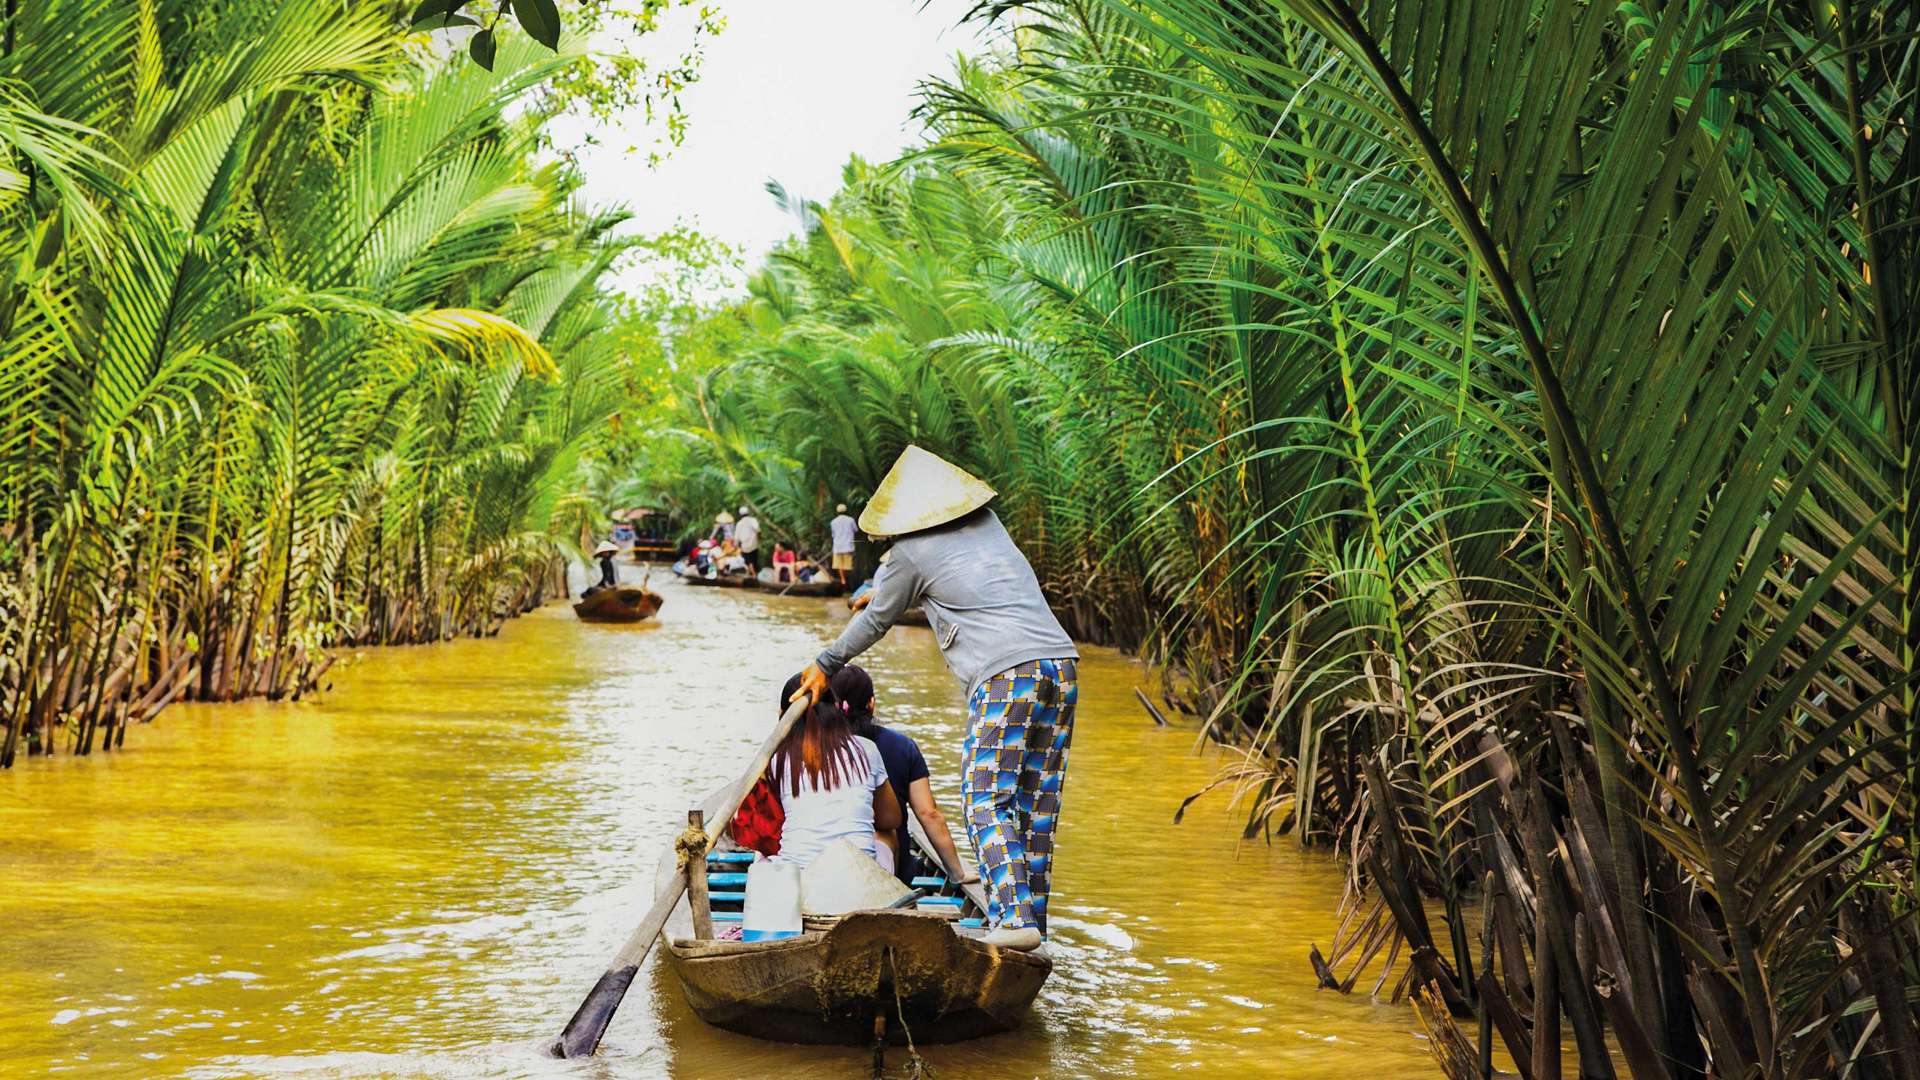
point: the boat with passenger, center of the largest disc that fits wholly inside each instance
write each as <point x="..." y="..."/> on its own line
<point x="720" y="580"/>
<point x="824" y="584"/>
<point x="618" y="604"/>
<point x="916" y="971"/>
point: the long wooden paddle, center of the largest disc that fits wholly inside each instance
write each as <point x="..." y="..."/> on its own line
<point x="581" y="1036"/>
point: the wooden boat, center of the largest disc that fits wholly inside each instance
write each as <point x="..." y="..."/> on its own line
<point x="724" y="581"/>
<point x="823" y="585"/>
<point x="648" y="549"/>
<point x="837" y="982"/>
<point x="620" y="604"/>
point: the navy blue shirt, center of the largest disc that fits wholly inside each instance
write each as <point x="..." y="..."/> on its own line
<point x="905" y="764"/>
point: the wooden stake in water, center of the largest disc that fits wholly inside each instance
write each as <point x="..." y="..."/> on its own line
<point x="582" y="1034"/>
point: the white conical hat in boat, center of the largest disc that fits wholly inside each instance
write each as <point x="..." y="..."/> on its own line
<point x="844" y="878"/>
<point x="723" y="518"/>
<point x="605" y="548"/>
<point x="919" y="492"/>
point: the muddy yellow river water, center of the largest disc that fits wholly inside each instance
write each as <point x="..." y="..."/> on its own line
<point x="419" y="873"/>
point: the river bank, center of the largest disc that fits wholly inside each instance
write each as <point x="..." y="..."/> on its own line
<point x="418" y="873"/>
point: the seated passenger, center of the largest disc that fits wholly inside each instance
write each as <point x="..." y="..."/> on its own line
<point x="783" y="560"/>
<point x="832" y="785"/>
<point x="731" y="561"/>
<point x="906" y="775"/>
<point x="608" y="576"/>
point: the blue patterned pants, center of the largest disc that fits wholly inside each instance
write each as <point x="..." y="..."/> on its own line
<point x="1015" y="755"/>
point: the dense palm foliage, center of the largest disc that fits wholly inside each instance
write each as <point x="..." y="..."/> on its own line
<point x="299" y="345"/>
<point x="1497" y="415"/>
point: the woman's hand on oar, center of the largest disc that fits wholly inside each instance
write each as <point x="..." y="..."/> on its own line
<point x="582" y="1034"/>
<point x="812" y="684"/>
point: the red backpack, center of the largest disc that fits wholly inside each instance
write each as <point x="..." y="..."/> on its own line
<point x="757" y="823"/>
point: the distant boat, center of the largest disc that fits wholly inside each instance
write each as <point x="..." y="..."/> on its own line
<point x="645" y="534"/>
<point x="619" y="604"/>
<point x="724" y="581"/>
<point x="822" y="585"/>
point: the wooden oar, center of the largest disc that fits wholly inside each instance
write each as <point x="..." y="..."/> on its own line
<point x="581" y="1036"/>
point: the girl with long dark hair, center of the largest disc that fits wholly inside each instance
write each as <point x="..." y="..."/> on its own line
<point x="832" y="785"/>
<point x="907" y="775"/>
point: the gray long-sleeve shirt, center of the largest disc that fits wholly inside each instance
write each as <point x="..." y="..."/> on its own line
<point x="980" y="595"/>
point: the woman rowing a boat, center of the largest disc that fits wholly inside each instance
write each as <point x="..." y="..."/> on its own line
<point x="609" y="577"/>
<point x="952" y="558"/>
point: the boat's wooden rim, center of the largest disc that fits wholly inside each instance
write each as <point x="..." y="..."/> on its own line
<point x="690" y="948"/>
<point x="818" y="927"/>
<point x="699" y="948"/>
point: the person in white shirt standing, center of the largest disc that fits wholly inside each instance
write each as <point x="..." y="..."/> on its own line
<point x="843" y="532"/>
<point x="746" y="533"/>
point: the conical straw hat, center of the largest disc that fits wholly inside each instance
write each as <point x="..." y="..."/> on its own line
<point x="605" y="548"/>
<point x="919" y="492"/>
<point x="723" y="518"/>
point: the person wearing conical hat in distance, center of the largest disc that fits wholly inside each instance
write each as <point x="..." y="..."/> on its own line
<point x="608" y="578"/>
<point x="722" y="527"/>
<point x="842" y="528"/>
<point x="952" y="558"/>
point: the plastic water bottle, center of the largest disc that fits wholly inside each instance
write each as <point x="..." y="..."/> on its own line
<point x="773" y="901"/>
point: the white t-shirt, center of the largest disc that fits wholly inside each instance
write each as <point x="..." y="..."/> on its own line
<point x="816" y="818"/>
<point x="843" y="527"/>
<point x="746" y="533"/>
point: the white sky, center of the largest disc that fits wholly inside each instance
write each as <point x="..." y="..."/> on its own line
<point x="787" y="92"/>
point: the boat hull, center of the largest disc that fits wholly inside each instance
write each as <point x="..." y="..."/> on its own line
<point x="828" y="987"/>
<point x="824" y="586"/>
<point x="724" y="581"/>
<point x="621" y="604"/>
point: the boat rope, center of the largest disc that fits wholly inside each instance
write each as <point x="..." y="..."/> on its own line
<point x="918" y="1068"/>
<point x="690" y="847"/>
